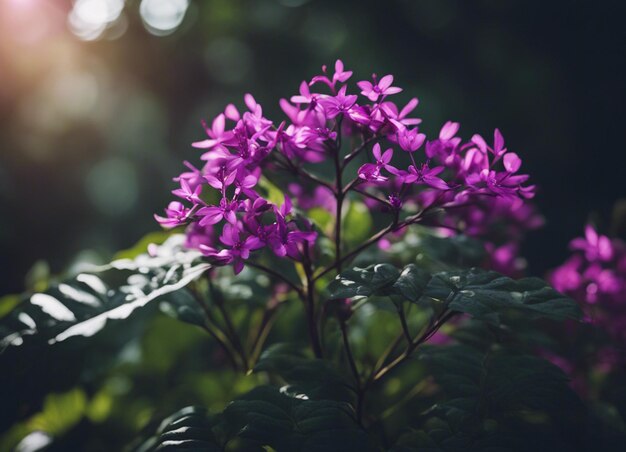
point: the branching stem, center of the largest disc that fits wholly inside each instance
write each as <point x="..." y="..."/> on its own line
<point x="230" y="328"/>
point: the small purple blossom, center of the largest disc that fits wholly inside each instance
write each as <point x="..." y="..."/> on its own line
<point x="410" y="140"/>
<point x="217" y="134"/>
<point x="177" y="214"/>
<point x="380" y="88"/>
<point x="340" y="75"/>
<point x="187" y="193"/>
<point x="214" y="214"/>
<point x="596" y="247"/>
<point x="372" y="171"/>
<point x="339" y="104"/>
<point x="423" y="174"/>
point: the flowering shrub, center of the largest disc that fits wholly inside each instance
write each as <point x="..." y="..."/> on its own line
<point x="275" y="235"/>
<point x="441" y="173"/>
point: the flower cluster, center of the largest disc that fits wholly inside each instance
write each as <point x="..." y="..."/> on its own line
<point x="595" y="275"/>
<point x="229" y="214"/>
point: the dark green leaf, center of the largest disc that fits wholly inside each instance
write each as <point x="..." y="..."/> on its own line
<point x="412" y="282"/>
<point x="182" y="306"/>
<point x="494" y="384"/>
<point x="486" y="294"/>
<point x="268" y="417"/>
<point x="495" y="400"/>
<point x="364" y="281"/>
<point x="190" y="428"/>
<point x="314" y="378"/>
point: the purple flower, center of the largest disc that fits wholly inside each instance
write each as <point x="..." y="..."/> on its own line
<point x="391" y="111"/>
<point x="498" y="148"/>
<point x="177" y="214"/>
<point x="187" y="193"/>
<point x="410" y="140"/>
<point x="371" y="171"/>
<point x="445" y="148"/>
<point x="286" y="242"/>
<point x="214" y="214"/>
<point x="425" y="175"/>
<point x="339" y="104"/>
<point x="199" y="235"/>
<point x="217" y="134"/>
<point x="221" y="180"/>
<point x="340" y="75"/>
<point x="194" y="177"/>
<point x="305" y="96"/>
<point x="595" y="246"/>
<point x="379" y="88"/>
<point x="239" y="248"/>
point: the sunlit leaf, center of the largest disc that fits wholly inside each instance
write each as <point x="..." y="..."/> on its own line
<point x="83" y="305"/>
<point x="364" y="281"/>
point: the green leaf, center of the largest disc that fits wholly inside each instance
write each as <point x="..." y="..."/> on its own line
<point x="381" y="280"/>
<point x="268" y="417"/>
<point x="412" y="282"/>
<point x="8" y="303"/>
<point x="264" y="419"/>
<point x="189" y="428"/>
<point x="496" y="384"/>
<point x="495" y="400"/>
<point x="272" y="193"/>
<point x="322" y="218"/>
<point x="364" y="281"/>
<point x="486" y="294"/>
<point x="83" y="305"/>
<point x="141" y="247"/>
<point x="181" y="305"/>
<point x="314" y="378"/>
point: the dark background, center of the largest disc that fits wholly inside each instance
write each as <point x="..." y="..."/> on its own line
<point x="91" y="132"/>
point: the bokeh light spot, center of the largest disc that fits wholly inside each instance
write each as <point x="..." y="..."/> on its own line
<point x="88" y="19"/>
<point x="163" y="17"/>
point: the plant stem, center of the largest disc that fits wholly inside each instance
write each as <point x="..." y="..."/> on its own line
<point x="232" y="332"/>
<point x="213" y="329"/>
<point x="394" y="226"/>
<point x="348" y="158"/>
<point x="371" y="196"/>
<point x="360" y="392"/>
<point x="375" y="238"/>
<point x="299" y="171"/>
<point x="349" y="355"/>
<point x="264" y="328"/>
<point x="309" y="301"/>
<point x="411" y="348"/>
<point x="405" y="326"/>
<point x="339" y="195"/>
